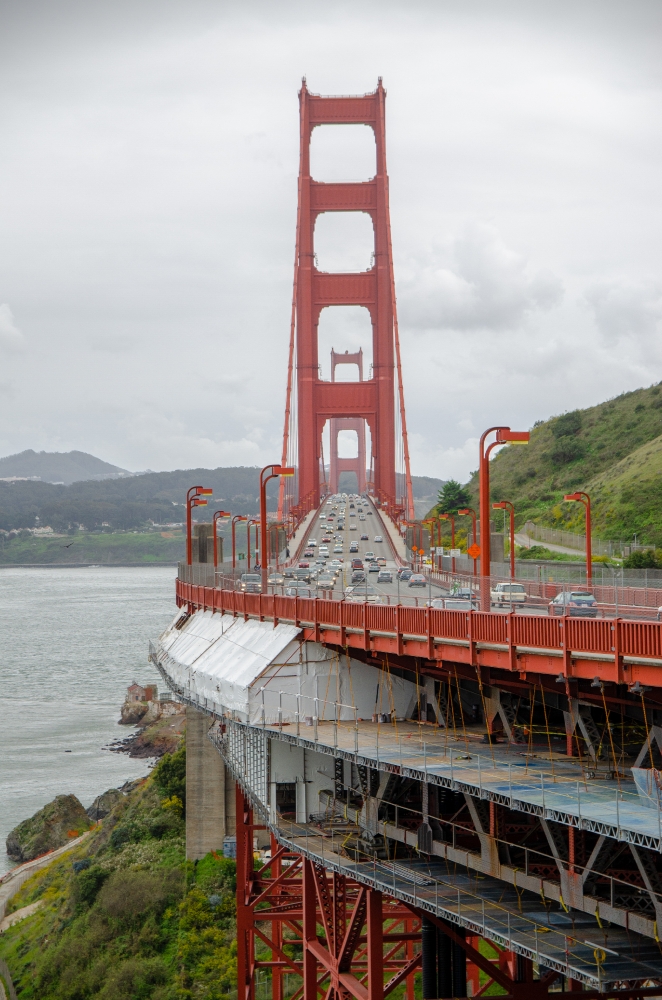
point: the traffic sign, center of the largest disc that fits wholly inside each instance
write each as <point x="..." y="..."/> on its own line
<point x="474" y="551"/>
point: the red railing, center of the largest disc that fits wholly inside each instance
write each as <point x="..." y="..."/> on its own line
<point x="614" y="638"/>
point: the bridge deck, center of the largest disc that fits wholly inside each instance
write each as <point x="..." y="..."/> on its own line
<point x="552" y="786"/>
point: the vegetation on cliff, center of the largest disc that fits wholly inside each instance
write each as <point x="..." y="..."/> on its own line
<point x="61" y="820"/>
<point x="613" y="451"/>
<point x="124" y="916"/>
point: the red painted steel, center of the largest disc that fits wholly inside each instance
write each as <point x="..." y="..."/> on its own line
<point x="430" y="633"/>
<point x="356" y="465"/>
<point x="372" y="400"/>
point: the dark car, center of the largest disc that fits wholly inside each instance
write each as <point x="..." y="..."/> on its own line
<point x="576" y="603"/>
<point x="385" y="576"/>
<point x="303" y="575"/>
<point x="404" y="573"/>
<point x="417" y="580"/>
<point x="364" y="538"/>
<point x="358" y="576"/>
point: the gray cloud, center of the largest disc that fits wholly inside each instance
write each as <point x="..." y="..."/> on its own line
<point x="474" y="283"/>
<point x="626" y="309"/>
<point x="10" y="335"/>
<point x="148" y="205"/>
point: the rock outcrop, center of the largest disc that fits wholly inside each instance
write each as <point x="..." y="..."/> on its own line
<point x="132" y="712"/>
<point x="61" y="820"/>
<point x="104" y="803"/>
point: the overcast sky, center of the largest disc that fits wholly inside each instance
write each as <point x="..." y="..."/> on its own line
<point x="148" y="169"/>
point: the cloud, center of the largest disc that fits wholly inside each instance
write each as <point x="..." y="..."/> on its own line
<point x="10" y="335"/>
<point x="474" y="282"/>
<point x="626" y="309"/>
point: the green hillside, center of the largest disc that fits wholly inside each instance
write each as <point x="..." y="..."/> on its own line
<point x="613" y="451"/>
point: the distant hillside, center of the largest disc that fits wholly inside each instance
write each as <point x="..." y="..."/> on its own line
<point x="57" y="466"/>
<point x="131" y="502"/>
<point x="613" y="451"/>
<point x="134" y="501"/>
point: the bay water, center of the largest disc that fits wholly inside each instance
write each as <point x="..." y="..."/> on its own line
<point x="71" y="641"/>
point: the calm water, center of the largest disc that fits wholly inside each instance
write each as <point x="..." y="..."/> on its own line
<point x="71" y="640"/>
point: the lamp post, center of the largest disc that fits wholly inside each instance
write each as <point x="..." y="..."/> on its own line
<point x="268" y="472"/>
<point x="451" y="518"/>
<point x="250" y="521"/>
<point x="216" y="518"/>
<point x="506" y="505"/>
<point x="584" y="498"/>
<point x="237" y="517"/>
<point x="195" y="497"/>
<point x="464" y="513"/>
<point x="504" y="435"/>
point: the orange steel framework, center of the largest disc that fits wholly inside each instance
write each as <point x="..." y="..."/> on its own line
<point x="343" y="940"/>
<point x="373" y="400"/>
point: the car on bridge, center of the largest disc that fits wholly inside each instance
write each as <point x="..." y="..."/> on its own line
<point x="364" y="538"/>
<point x="417" y="580"/>
<point x="357" y="564"/>
<point x="513" y="594"/>
<point x="250" y="583"/>
<point x="276" y="580"/>
<point x="378" y="538"/>
<point x="385" y="576"/>
<point x="404" y="573"/>
<point x="326" y="581"/>
<point x="300" y="589"/>
<point x="576" y="603"/>
<point x="381" y="560"/>
<point x="353" y="546"/>
<point x="358" y="576"/>
<point x="363" y="594"/>
<point x="370" y="555"/>
<point x="373" y="566"/>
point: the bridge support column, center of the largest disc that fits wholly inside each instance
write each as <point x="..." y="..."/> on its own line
<point x="206" y="791"/>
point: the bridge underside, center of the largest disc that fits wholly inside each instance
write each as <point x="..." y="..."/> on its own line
<point x="468" y="826"/>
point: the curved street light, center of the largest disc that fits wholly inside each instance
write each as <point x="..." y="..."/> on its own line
<point x="237" y="517"/>
<point x="273" y="471"/>
<point x="216" y="518"/>
<point x="584" y="498"/>
<point x="504" y="435"/>
<point x="195" y="497"/>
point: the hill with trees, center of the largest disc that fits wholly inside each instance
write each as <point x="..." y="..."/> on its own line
<point x="613" y="451"/>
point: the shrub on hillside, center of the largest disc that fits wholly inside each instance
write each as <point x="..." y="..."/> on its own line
<point x="567" y="424"/>
<point x="643" y="559"/>
<point x="170" y="775"/>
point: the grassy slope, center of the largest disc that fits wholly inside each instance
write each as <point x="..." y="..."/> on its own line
<point x="614" y="453"/>
<point x="136" y="925"/>
<point x="149" y="548"/>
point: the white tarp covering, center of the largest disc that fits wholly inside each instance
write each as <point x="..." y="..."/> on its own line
<point x="266" y="673"/>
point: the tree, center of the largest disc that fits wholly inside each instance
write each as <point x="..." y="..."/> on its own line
<point x="452" y="496"/>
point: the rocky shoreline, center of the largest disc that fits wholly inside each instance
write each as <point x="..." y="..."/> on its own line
<point x="153" y="740"/>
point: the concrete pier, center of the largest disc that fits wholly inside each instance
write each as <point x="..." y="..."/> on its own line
<point x="210" y="808"/>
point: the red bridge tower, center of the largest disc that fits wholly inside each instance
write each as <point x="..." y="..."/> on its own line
<point x="372" y="400"/>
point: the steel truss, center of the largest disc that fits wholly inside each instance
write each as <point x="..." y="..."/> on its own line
<point x="341" y="939"/>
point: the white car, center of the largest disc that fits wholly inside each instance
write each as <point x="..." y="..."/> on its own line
<point x="337" y="548"/>
<point x="312" y="542"/>
<point x="369" y="555"/>
<point x="322" y="517"/>
<point x="352" y="527"/>
<point x="378" y="538"/>
<point x="323" y="550"/>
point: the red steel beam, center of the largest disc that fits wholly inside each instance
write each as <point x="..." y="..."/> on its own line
<point x="518" y="644"/>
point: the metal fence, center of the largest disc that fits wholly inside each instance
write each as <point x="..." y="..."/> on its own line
<point x="572" y="540"/>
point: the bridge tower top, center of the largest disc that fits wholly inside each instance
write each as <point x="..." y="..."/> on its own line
<point x="379" y="400"/>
